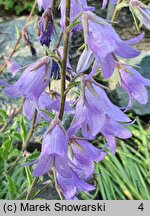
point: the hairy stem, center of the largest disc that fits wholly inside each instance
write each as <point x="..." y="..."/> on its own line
<point x="64" y="61"/>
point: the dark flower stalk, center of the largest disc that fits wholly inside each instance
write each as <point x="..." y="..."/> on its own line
<point x="64" y="61"/>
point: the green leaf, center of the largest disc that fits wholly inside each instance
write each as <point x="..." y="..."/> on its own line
<point x="29" y="176"/>
<point x="23" y="129"/>
<point x="72" y="84"/>
<point x="11" y="186"/>
<point x="73" y="24"/>
<point x="3" y="114"/>
<point x="51" y="115"/>
<point x="5" y="149"/>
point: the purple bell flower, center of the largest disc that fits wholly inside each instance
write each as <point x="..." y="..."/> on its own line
<point x="44" y="4"/>
<point x="32" y="82"/>
<point x="54" y="151"/>
<point x="72" y="186"/>
<point x="92" y="112"/>
<point x="133" y="83"/>
<point x="46" y="27"/>
<point x="44" y="103"/>
<point x="105" y="43"/>
<point x="112" y="129"/>
<point x="84" y="154"/>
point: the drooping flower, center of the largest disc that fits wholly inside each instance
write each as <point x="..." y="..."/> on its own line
<point x="77" y="6"/>
<point x="46" y="27"/>
<point x="54" y="150"/>
<point x="45" y="103"/>
<point x="13" y="67"/>
<point x="106" y="1"/>
<point x="112" y="129"/>
<point x="44" y="4"/>
<point x="92" y="112"/>
<point x="32" y="82"/>
<point x="105" y="43"/>
<point x="83" y="155"/>
<point x="141" y="11"/>
<point x="54" y="155"/>
<point x="133" y="83"/>
<point x="70" y="187"/>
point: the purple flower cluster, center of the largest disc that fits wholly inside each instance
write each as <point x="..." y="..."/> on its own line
<point x="68" y="152"/>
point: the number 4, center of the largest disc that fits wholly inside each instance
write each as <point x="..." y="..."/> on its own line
<point x="141" y="207"/>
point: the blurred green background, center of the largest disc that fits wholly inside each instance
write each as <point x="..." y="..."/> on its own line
<point x="15" y="7"/>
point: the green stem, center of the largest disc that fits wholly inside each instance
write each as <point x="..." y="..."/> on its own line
<point x="31" y="189"/>
<point x="56" y="184"/>
<point x="64" y="61"/>
<point x="116" y="12"/>
<point x="26" y="143"/>
<point x="41" y="190"/>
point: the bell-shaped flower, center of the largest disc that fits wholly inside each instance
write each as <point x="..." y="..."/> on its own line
<point x="133" y="83"/>
<point x="77" y="6"/>
<point x="112" y="129"/>
<point x="70" y="187"/>
<point x="54" y="150"/>
<point x="45" y="103"/>
<point x="46" y="27"/>
<point x="105" y="43"/>
<point x="44" y="4"/>
<point x="32" y="82"/>
<point x="83" y="155"/>
<point x="141" y="11"/>
<point x="93" y="110"/>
